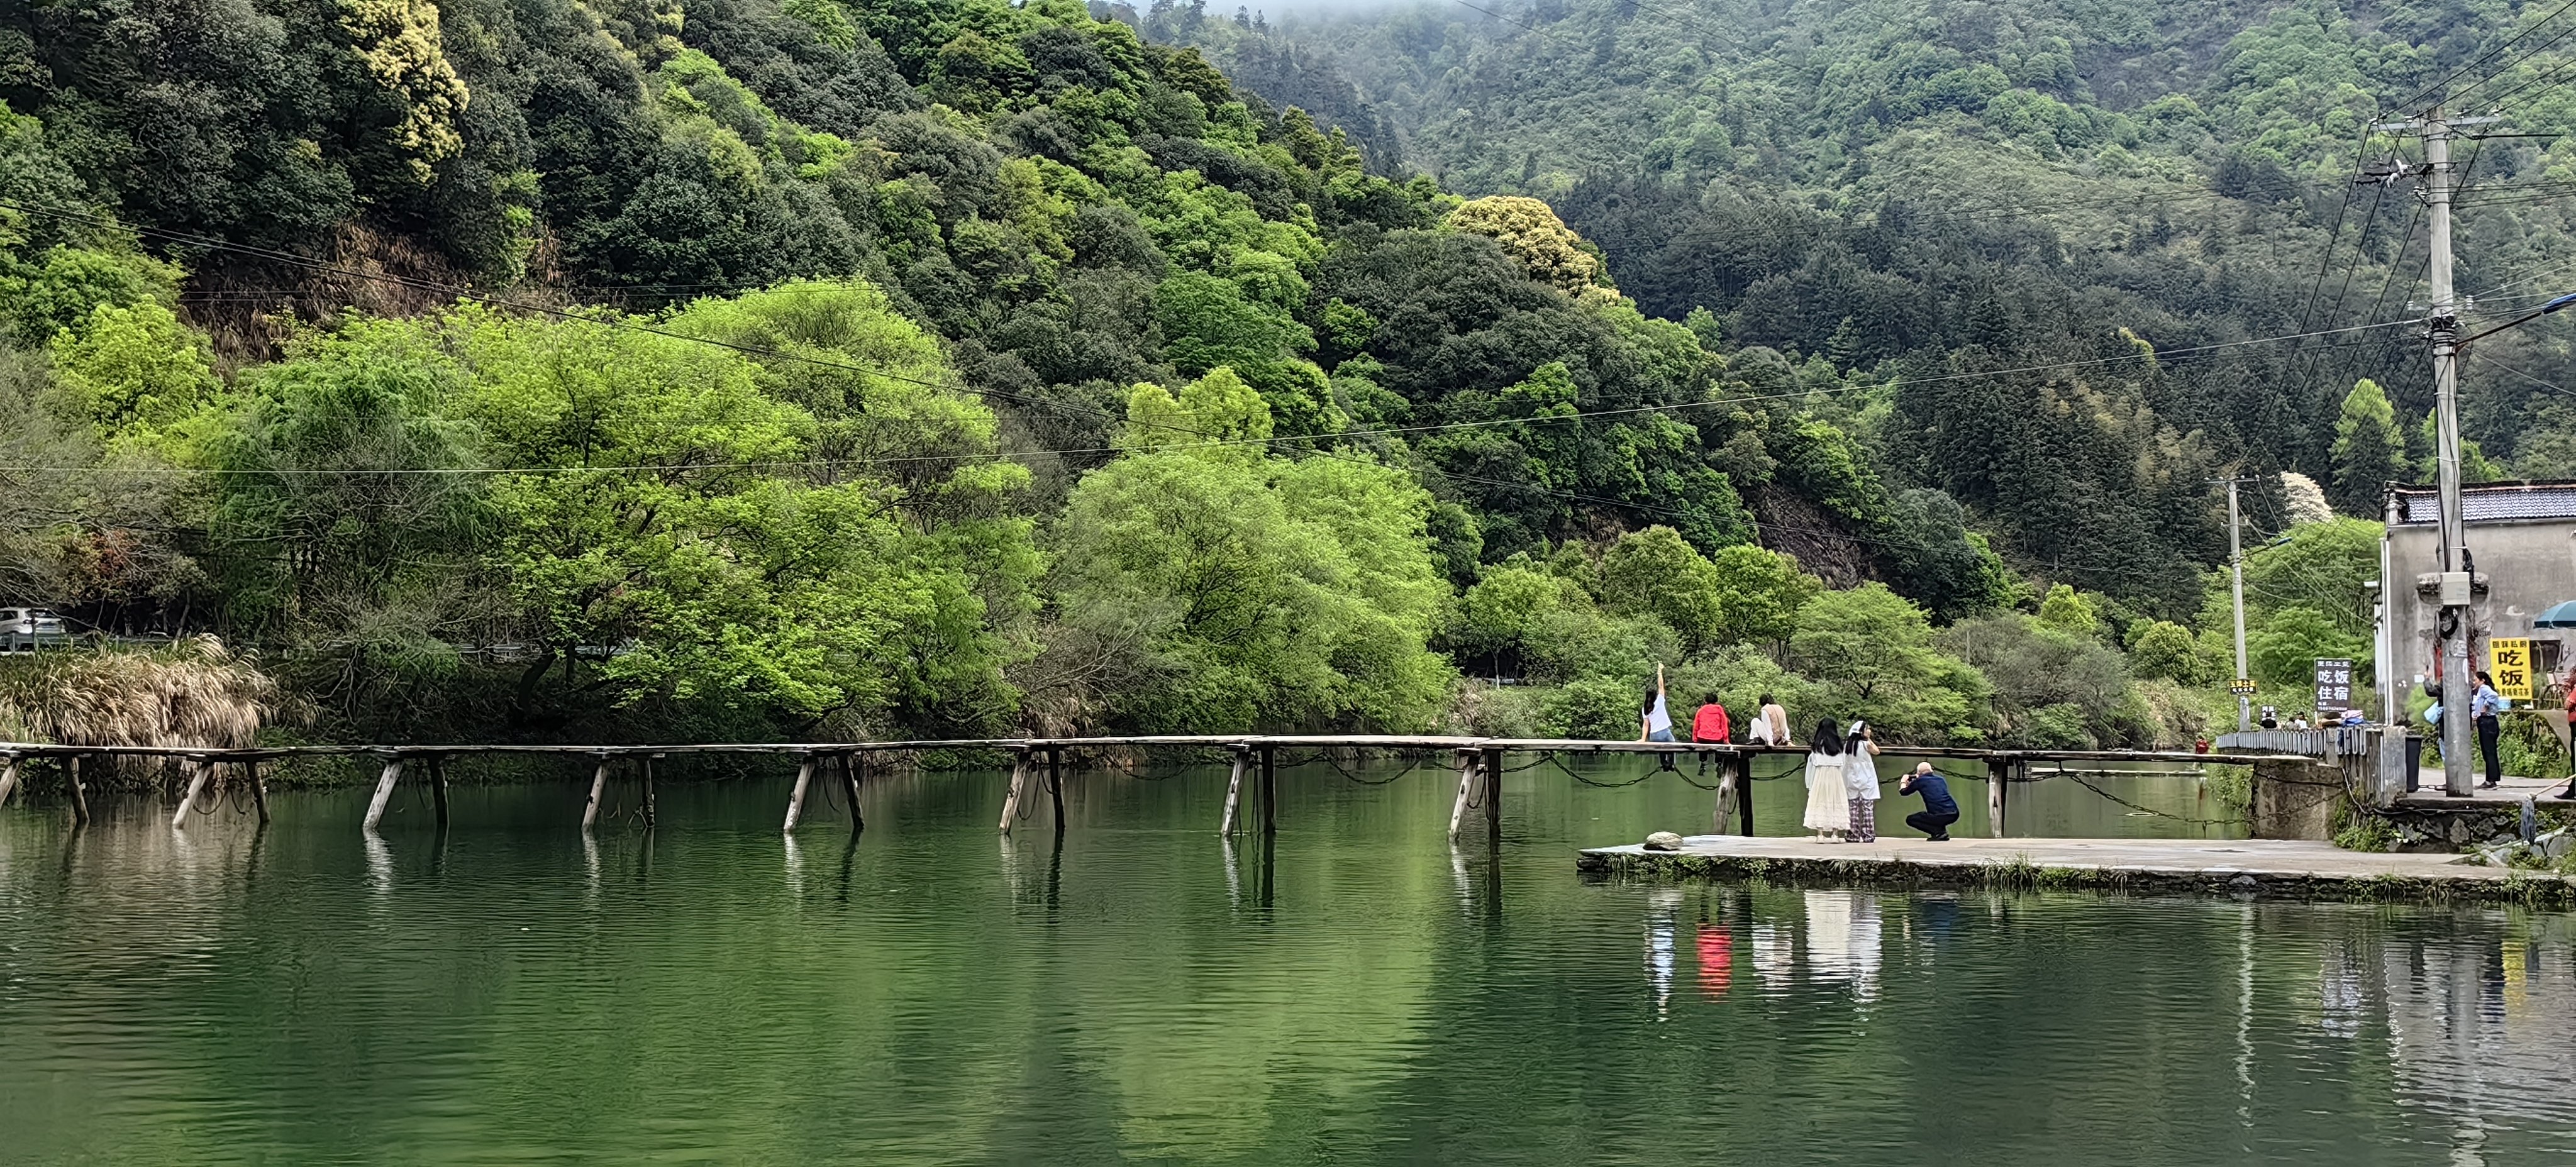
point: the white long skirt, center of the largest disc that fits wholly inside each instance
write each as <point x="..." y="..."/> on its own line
<point x="1828" y="806"/>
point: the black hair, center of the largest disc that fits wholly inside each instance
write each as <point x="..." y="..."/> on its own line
<point x="1647" y="705"/>
<point x="1766" y="699"/>
<point x="1828" y="742"/>
<point x="2485" y="677"/>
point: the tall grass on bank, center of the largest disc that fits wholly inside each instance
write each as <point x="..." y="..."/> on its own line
<point x="193" y="693"/>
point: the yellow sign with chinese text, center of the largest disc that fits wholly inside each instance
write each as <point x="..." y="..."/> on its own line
<point x="2510" y="661"/>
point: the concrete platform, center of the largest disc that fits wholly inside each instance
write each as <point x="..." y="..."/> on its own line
<point x="2222" y="866"/>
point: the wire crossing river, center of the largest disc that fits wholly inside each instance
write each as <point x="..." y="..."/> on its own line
<point x="711" y="992"/>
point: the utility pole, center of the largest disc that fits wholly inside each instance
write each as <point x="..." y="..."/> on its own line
<point x="2457" y="626"/>
<point x="2236" y="567"/>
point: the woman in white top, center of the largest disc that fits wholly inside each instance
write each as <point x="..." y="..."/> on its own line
<point x="1654" y="720"/>
<point x="1828" y="800"/>
<point x="1860" y="782"/>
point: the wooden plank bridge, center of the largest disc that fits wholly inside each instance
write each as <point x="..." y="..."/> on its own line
<point x="1038" y="762"/>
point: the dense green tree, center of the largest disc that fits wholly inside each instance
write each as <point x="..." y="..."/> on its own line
<point x="2369" y="450"/>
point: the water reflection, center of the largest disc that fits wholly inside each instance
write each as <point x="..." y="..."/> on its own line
<point x="1354" y="993"/>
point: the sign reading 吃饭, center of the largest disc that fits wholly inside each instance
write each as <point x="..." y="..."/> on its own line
<point x="2334" y="683"/>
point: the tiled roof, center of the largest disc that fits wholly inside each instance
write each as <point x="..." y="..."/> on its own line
<point x="2493" y="502"/>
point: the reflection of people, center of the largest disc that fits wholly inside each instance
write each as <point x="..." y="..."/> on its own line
<point x="1662" y="906"/>
<point x="1828" y="804"/>
<point x="1860" y="783"/>
<point x="1843" y="938"/>
<point x="1716" y="959"/>
<point x="2486" y="705"/>
<point x="1654" y="722"/>
<point x="1939" y="809"/>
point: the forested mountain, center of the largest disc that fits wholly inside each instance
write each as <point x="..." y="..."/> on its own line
<point x="937" y="366"/>
<point x="1929" y="188"/>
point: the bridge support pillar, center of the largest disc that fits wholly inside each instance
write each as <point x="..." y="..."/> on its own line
<point x="1469" y="761"/>
<point x="1019" y="789"/>
<point x="1492" y="765"/>
<point x="2001" y="772"/>
<point x="384" y="793"/>
<point x="599" y="796"/>
<point x="1234" y="794"/>
<point x="197" y="783"/>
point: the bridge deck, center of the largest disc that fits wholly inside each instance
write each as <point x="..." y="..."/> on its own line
<point x="1188" y="741"/>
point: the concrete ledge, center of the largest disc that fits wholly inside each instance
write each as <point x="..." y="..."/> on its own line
<point x="2235" y="867"/>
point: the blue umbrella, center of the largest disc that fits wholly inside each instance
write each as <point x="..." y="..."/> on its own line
<point x="2559" y="615"/>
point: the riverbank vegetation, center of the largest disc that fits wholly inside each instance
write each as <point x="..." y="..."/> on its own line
<point x="949" y="368"/>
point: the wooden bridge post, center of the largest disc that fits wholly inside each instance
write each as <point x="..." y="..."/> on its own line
<point x="80" y="797"/>
<point x="648" y="788"/>
<point x="8" y="777"/>
<point x="796" y="797"/>
<point x="1234" y="794"/>
<point x="1269" y="790"/>
<point x="250" y="774"/>
<point x="851" y="769"/>
<point x="1019" y="788"/>
<point x="1468" y="761"/>
<point x="598" y="794"/>
<point x="2000" y="771"/>
<point x="1725" y="796"/>
<point x="197" y="787"/>
<point x="384" y="792"/>
<point x="1744" y="792"/>
<point x="1493" y="768"/>
<point x="1055" y="784"/>
<point x="438" y="785"/>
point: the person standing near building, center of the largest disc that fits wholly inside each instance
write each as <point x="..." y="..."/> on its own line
<point x="2487" y="708"/>
<point x="1860" y="783"/>
<point x="1939" y="809"/>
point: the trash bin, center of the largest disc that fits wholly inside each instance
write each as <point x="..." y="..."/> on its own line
<point x="2414" y="761"/>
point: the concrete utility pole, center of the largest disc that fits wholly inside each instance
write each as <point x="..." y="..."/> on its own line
<point x="2445" y="335"/>
<point x="2453" y="583"/>
<point x="2236" y="567"/>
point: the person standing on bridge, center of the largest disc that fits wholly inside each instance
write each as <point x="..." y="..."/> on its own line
<point x="1860" y="782"/>
<point x="1939" y="809"/>
<point x="1828" y="801"/>
<point x="1654" y="721"/>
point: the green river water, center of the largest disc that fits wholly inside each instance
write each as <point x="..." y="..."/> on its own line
<point x="707" y="992"/>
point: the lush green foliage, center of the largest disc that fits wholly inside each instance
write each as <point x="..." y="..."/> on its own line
<point x="929" y="366"/>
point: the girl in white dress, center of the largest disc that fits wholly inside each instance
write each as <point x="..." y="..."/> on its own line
<point x="1828" y="800"/>
<point x="1860" y="782"/>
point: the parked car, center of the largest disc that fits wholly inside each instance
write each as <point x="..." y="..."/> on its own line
<point x="28" y="629"/>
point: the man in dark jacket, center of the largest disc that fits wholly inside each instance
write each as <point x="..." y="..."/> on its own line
<point x="1939" y="810"/>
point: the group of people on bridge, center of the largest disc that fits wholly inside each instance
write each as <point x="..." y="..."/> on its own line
<point x="1842" y="777"/>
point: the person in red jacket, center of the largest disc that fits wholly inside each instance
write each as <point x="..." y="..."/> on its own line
<point x="1710" y="725"/>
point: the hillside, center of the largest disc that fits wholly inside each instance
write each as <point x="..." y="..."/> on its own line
<point x="1924" y="186"/>
<point x="939" y="365"/>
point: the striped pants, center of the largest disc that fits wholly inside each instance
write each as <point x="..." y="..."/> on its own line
<point x="1864" y="821"/>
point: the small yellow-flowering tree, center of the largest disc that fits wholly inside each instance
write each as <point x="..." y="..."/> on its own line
<point x="1548" y="249"/>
